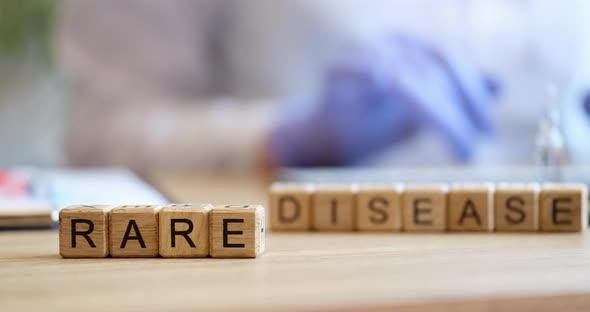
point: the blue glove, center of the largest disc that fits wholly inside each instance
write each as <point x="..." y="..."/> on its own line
<point x="586" y="104"/>
<point x="380" y="94"/>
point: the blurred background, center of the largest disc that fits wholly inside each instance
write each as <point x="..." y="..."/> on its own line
<point x="242" y="86"/>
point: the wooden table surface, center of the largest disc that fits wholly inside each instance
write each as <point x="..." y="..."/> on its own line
<point x="307" y="271"/>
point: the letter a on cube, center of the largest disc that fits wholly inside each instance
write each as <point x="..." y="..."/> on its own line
<point x="134" y="231"/>
<point x="470" y="208"/>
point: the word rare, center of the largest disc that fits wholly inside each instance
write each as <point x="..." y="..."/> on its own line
<point x="173" y="231"/>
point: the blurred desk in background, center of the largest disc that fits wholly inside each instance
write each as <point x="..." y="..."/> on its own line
<point x="306" y="271"/>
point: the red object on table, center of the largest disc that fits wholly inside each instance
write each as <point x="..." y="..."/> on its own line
<point x="13" y="185"/>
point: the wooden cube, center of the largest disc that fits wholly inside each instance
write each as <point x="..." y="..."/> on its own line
<point x="378" y="208"/>
<point x="184" y="230"/>
<point x="236" y="231"/>
<point x="424" y="208"/>
<point x="563" y="208"/>
<point x="134" y="231"/>
<point x="290" y="207"/>
<point x="333" y="208"/>
<point x="516" y="207"/>
<point x="84" y="232"/>
<point x="470" y="208"/>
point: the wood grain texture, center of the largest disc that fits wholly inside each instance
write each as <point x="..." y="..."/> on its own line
<point x="84" y="232"/>
<point x="563" y="207"/>
<point x="184" y="230"/>
<point x="290" y="207"/>
<point x="133" y="231"/>
<point x="333" y="208"/>
<point x="378" y="208"/>
<point x="516" y="208"/>
<point x="470" y="208"/>
<point x="307" y="272"/>
<point x="575" y="302"/>
<point x="237" y="231"/>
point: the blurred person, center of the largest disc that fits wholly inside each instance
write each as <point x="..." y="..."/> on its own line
<point x="195" y="84"/>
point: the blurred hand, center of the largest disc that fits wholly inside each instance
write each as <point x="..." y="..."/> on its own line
<point x="586" y="104"/>
<point x="378" y="95"/>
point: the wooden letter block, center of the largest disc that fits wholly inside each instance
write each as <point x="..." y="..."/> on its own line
<point x="134" y="231"/>
<point x="563" y="207"/>
<point x="184" y="230"/>
<point x="424" y="208"/>
<point x="333" y="208"/>
<point x="290" y="207"/>
<point x="236" y="231"/>
<point x="516" y="207"/>
<point x="470" y="208"/>
<point x="84" y="232"/>
<point x="379" y="208"/>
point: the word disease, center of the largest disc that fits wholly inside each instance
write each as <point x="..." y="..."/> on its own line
<point x="434" y="208"/>
<point x="173" y="231"/>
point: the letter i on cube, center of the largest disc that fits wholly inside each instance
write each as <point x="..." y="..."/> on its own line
<point x="333" y="207"/>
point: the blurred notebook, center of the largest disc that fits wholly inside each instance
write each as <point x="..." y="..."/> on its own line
<point x="33" y="197"/>
<point x="25" y="213"/>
